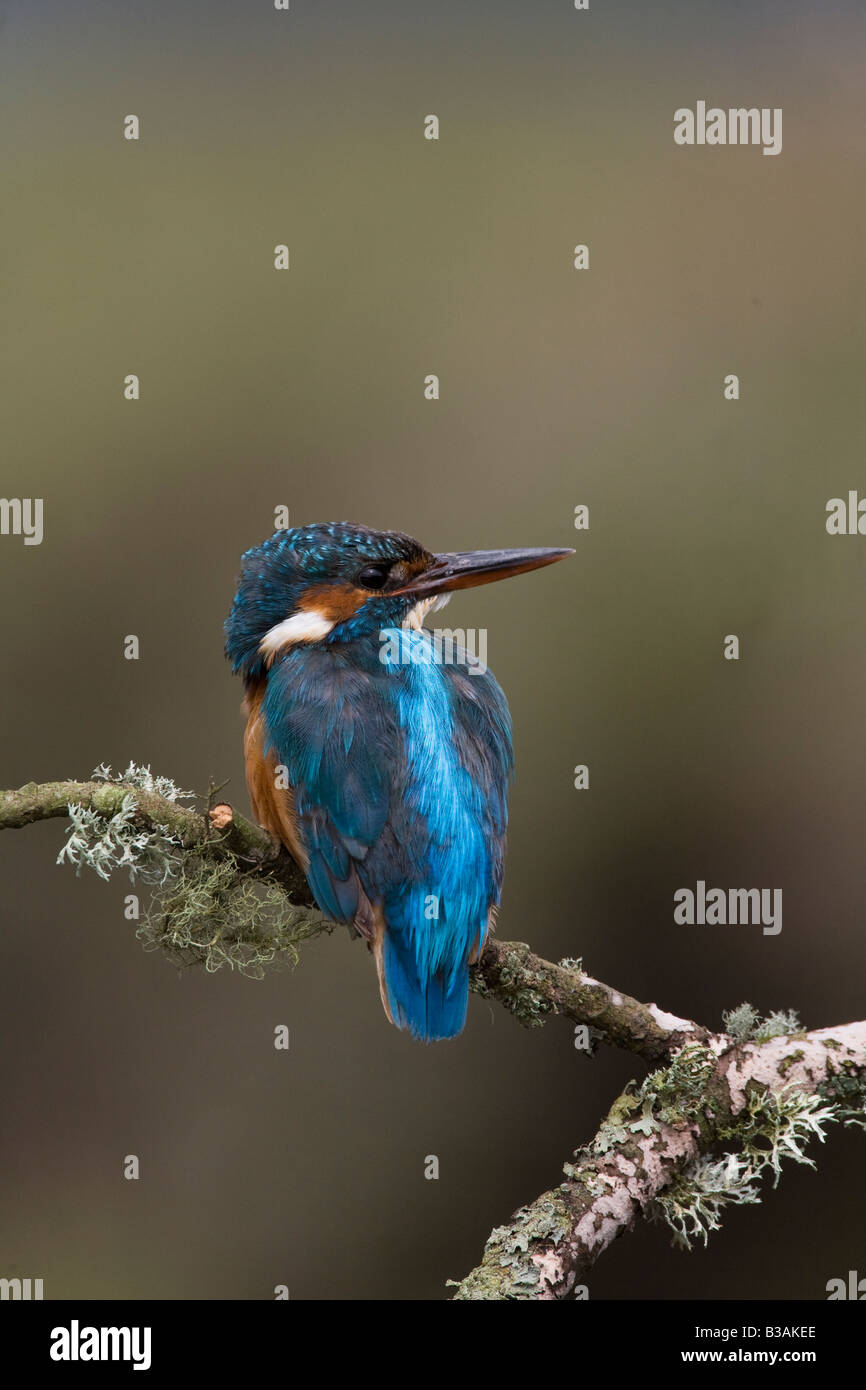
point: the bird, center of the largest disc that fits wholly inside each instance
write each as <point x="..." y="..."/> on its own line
<point x="382" y="769"/>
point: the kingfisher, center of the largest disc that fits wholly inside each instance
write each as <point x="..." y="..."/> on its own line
<point x="381" y="767"/>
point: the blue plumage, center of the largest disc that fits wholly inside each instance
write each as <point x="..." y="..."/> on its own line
<point x="397" y="763"/>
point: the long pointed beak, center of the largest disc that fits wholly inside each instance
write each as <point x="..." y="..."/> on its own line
<point x="464" y="569"/>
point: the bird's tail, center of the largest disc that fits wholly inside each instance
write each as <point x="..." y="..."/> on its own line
<point x="430" y="1006"/>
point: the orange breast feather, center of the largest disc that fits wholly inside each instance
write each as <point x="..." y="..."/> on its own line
<point x="273" y="806"/>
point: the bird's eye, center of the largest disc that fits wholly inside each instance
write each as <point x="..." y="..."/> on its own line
<point x="374" y="576"/>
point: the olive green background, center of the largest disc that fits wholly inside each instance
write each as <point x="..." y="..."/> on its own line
<point x="305" y="388"/>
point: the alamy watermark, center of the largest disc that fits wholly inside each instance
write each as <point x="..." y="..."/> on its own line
<point x="738" y="125"/>
<point x="77" y="1343"/>
<point x="22" y="516"/>
<point x="853" y="1288"/>
<point x="444" y="646"/>
<point x="729" y="907"/>
<point x="20" y="1290"/>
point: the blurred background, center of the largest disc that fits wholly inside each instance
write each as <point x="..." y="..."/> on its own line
<point x="305" y="389"/>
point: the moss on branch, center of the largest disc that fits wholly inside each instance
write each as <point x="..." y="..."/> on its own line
<point x="111" y="815"/>
<point x="226" y="893"/>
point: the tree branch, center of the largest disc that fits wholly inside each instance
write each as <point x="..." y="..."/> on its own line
<point x="771" y="1096"/>
<point x="223" y="832"/>
<point x="528" y="986"/>
<point x="764" y="1093"/>
<point x="533" y="988"/>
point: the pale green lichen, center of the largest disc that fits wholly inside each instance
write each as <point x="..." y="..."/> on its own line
<point x="105" y="844"/>
<point x="516" y="988"/>
<point x="613" y="1129"/>
<point x="205" y="910"/>
<point x="609" y="1135"/>
<point x="647" y="1123"/>
<point x="597" y="1184"/>
<point x="773" y="1127"/>
<point x="740" y="1023"/>
<point x="672" y="1095"/>
<point x="508" y="1271"/>
<point x="119" y="842"/>
<point x="540" y="1222"/>
<point x="676" y="1092"/>
<point x="744" y="1024"/>
<point x="778" y="1125"/>
<point x="211" y="914"/>
<point x="140" y="775"/>
<point x="781" y="1023"/>
<point x="693" y="1205"/>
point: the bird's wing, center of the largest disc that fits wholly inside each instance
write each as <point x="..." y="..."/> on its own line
<point x="326" y="723"/>
<point x="484" y="742"/>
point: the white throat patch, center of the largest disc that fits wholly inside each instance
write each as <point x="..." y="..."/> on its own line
<point x="415" y="617"/>
<point x="307" y="625"/>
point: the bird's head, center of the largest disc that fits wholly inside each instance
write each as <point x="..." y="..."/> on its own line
<point x="339" y="581"/>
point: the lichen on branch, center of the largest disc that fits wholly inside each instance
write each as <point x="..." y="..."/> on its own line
<point x="656" y="1155"/>
<point x="134" y="821"/>
<point x="717" y="1113"/>
<point x="210" y="913"/>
